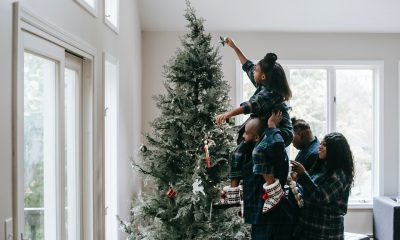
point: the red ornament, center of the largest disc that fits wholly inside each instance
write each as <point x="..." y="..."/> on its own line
<point x="223" y="194"/>
<point x="265" y="196"/>
<point x="171" y="193"/>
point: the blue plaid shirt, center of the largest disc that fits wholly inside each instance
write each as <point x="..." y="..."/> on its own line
<point x="253" y="183"/>
<point x="309" y="155"/>
<point x="264" y="101"/>
<point x="325" y="204"/>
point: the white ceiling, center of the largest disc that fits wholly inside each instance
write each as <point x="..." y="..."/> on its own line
<point x="372" y="16"/>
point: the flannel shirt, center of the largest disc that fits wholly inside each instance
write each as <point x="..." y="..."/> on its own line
<point x="325" y="204"/>
<point x="309" y="155"/>
<point x="270" y="152"/>
<point x="241" y="155"/>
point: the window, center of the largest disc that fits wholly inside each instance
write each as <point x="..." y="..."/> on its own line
<point x="89" y="5"/>
<point x="111" y="14"/>
<point x="111" y="157"/>
<point x="341" y="97"/>
<point x="73" y="163"/>
<point x="52" y="165"/>
<point x="40" y="142"/>
<point x="54" y="122"/>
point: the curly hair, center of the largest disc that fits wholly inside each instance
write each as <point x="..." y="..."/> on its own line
<point x="339" y="155"/>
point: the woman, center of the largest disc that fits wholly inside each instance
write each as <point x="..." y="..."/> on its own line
<point x="326" y="190"/>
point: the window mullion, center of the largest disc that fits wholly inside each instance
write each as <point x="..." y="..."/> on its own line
<point x="376" y="186"/>
<point x="61" y="152"/>
<point x="331" y="99"/>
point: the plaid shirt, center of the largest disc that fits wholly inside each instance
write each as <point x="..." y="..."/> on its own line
<point x="325" y="204"/>
<point x="274" y="148"/>
<point x="264" y="101"/>
<point x="241" y="155"/>
<point x="309" y="155"/>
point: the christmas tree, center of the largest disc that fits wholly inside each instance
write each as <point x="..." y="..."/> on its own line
<point x="186" y="158"/>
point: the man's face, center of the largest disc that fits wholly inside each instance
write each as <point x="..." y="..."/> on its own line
<point x="249" y="136"/>
<point x="297" y="140"/>
<point x="259" y="76"/>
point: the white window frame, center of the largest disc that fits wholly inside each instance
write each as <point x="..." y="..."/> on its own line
<point x="92" y="10"/>
<point x="113" y="111"/>
<point x="75" y="64"/>
<point x="331" y="67"/>
<point x="107" y="22"/>
<point x="23" y="20"/>
<point x="53" y="170"/>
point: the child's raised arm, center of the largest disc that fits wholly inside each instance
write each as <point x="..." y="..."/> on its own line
<point x="239" y="53"/>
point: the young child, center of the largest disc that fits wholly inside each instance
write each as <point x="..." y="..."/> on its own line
<point x="272" y="91"/>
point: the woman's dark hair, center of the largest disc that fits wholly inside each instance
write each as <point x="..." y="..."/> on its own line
<point x="339" y="156"/>
<point x="276" y="77"/>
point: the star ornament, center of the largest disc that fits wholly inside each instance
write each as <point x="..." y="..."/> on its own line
<point x="222" y="40"/>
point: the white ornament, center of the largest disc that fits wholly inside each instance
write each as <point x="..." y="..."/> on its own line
<point x="197" y="188"/>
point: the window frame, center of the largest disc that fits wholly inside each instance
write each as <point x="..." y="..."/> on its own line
<point x="331" y="67"/>
<point x="92" y="10"/>
<point x="54" y="175"/>
<point x="76" y="64"/>
<point x="111" y="59"/>
<point x="25" y="20"/>
<point x="107" y="22"/>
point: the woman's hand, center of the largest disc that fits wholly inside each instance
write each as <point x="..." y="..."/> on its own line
<point x="294" y="176"/>
<point x="220" y="119"/>
<point x="275" y="119"/>
<point x="297" y="167"/>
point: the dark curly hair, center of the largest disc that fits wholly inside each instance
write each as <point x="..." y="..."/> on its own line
<point x="339" y="156"/>
<point x="276" y="77"/>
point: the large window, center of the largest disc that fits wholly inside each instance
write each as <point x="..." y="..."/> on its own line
<point x="52" y="162"/>
<point x="340" y="97"/>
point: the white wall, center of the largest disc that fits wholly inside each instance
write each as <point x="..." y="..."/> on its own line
<point x="126" y="47"/>
<point x="158" y="47"/>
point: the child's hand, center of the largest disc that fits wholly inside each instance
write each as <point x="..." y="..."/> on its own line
<point x="275" y="119"/>
<point x="297" y="167"/>
<point x="220" y="119"/>
<point x="230" y="42"/>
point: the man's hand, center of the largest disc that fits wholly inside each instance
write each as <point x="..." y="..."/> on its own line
<point x="297" y="167"/>
<point x="220" y="119"/>
<point x="275" y="119"/>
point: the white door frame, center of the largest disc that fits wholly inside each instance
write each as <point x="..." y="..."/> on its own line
<point x="92" y="118"/>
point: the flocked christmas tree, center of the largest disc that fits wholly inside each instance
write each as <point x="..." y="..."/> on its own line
<point x="183" y="175"/>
